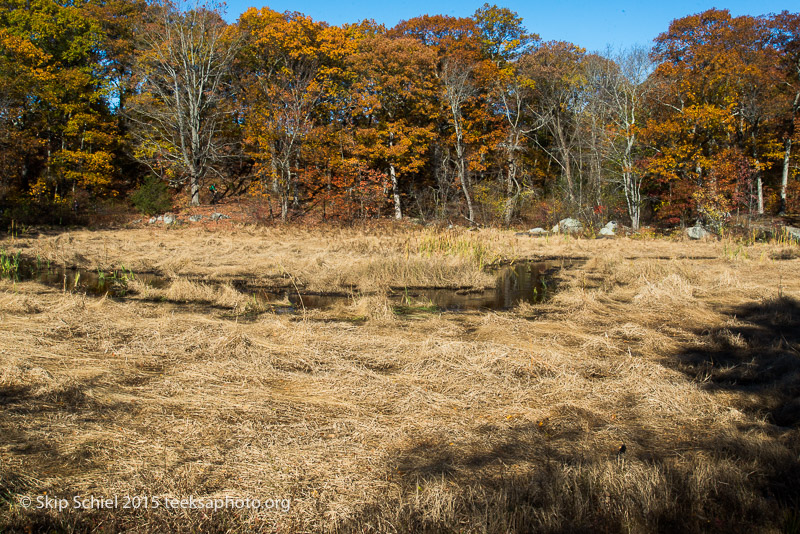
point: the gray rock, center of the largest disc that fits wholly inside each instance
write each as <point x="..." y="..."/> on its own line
<point x="219" y="216"/>
<point x="610" y="229"/>
<point x="793" y="232"/>
<point x="697" y="232"/>
<point x="152" y="220"/>
<point x="537" y="231"/>
<point x="569" y="225"/>
<point x="196" y="218"/>
<point x="159" y="218"/>
<point x="522" y="234"/>
<point x="169" y="219"/>
<point x="555" y="229"/>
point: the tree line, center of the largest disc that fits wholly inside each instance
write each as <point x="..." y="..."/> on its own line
<point x="470" y="119"/>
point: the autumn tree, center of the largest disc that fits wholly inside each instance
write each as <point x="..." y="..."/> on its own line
<point x="293" y="65"/>
<point x="618" y="100"/>
<point x="716" y="86"/>
<point x="786" y="27"/>
<point x="181" y="111"/>
<point x="456" y="44"/>
<point x="56" y="121"/>
<point x="756" y="77"/>
<point x="459" y="88"/>
<point x="21" y="64"/>
<point x="556" y="69"/>
<point x="504" y="39"/>
<point x="502" y="33"/>
<point x="118" y="21"/>
<point x="395" y="105"/>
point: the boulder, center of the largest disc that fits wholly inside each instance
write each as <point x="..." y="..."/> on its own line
<point x="793" y="232"/>
<point x="195" y="218"/>
<point x="569" y="226"/>
<point x="697" y="232"/>
<point x="152" y="220"/>
<point x="219" y="216"/>
<point x="169" y="219"/>
<point x="609" y="229"/>
<point x="537" y="231"/>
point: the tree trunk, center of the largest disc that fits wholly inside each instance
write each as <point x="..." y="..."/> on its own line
<point x="463" y="178"/>
<point x="760" y="187"/>
<point x="398" y="213"/>
<point x="195" y="189"/>
<point x="512" y="193"/>
<point x="759" y="181"/>
<point x="785" y="176"/>
<point x="461" y="164"/>
<point x="513" y="189"/>
<point x="274" y="168"/>
<point x="565" y="159"/>
<point x="287" y="177"/>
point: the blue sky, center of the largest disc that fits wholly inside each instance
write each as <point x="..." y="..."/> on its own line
<point x="592" y="25"/>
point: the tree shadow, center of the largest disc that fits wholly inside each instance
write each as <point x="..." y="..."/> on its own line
<point x="564" y="474"/>
<point x="757" y="356"/>
<point x="22" y="406"/>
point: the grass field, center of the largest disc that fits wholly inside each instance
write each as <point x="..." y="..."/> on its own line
<point x="657" y="390"/>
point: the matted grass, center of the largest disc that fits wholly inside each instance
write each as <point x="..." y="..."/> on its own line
<point x="685" y="353"/>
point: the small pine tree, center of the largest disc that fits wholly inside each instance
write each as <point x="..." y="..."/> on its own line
<point x="152" y="197"/>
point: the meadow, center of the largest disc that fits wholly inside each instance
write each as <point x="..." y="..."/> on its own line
<point x="655" y="390"/>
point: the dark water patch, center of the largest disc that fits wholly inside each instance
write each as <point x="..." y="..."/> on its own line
<point x="516" y="283"/>
<point x="96" y="283"/>
<point x="671" y="258"/>
<point x="530" y="282"/>
<point x="522" y="282"/>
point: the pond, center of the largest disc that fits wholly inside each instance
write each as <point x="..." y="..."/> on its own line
<point x="518" y="282"/>
<point x="526" y="281"/>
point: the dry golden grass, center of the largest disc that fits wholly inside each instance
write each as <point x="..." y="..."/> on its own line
<point x="324" y="260"/>
<point x="686" y="353"/>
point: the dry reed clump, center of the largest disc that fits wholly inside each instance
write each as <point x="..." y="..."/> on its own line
<point x="368" y="419"/>
<point x="431" y="272"/>
<point x="666" y="291"/>
<point x="182" y="290"/>
<point x="11" y="302"/>
<point x="15" y="373"/>
<point x="144" y="290"/>
<point x="785" y="254"/>
<point x="375" y="307"/>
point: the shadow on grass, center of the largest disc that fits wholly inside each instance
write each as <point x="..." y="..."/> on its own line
<point x="563" y="474"/>
<point x="758" y="357"/>
<point x="32" y="457"/>
<point x="567" y="472"/>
